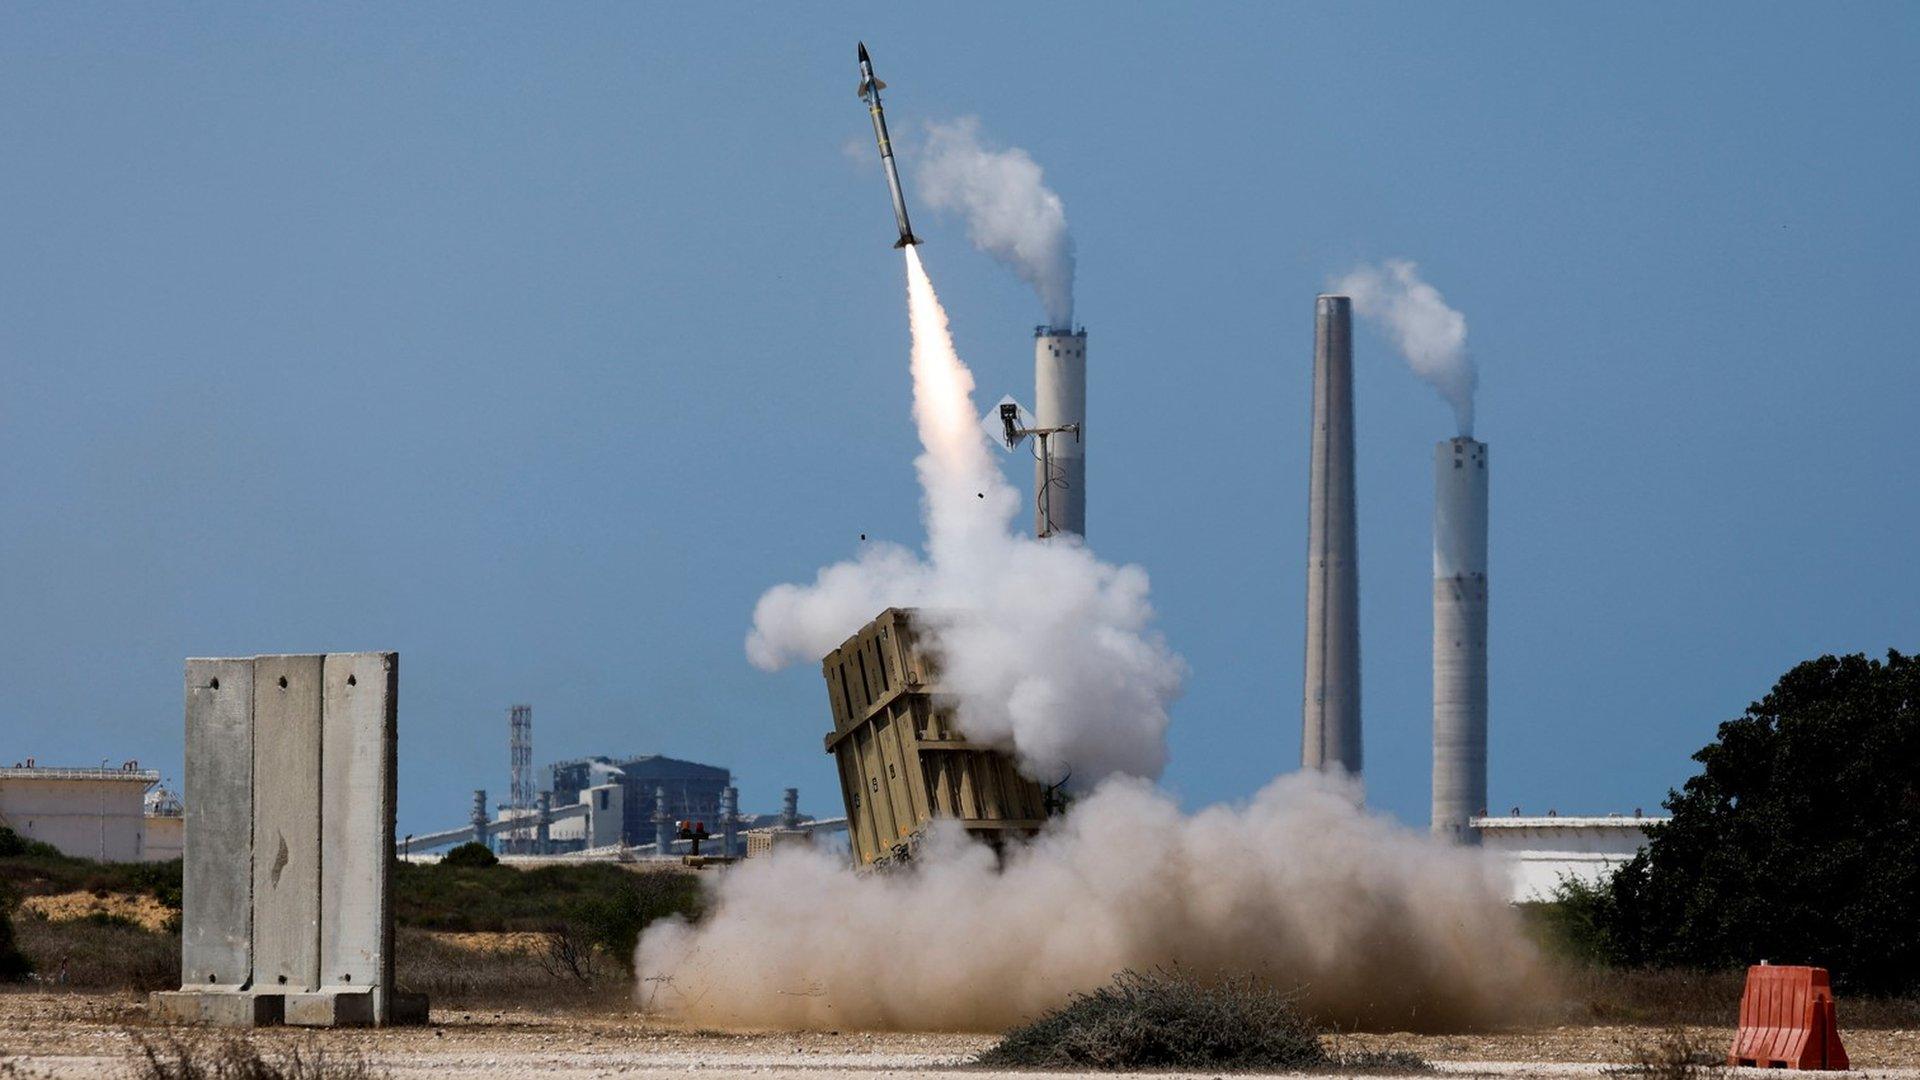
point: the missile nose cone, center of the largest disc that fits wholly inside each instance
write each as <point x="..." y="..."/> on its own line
<point x="863" y="52"/>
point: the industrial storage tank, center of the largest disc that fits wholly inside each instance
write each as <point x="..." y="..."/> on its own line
<point x="902" y="761"/>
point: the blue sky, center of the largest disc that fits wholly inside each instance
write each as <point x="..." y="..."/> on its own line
<point x="536" y="342"/>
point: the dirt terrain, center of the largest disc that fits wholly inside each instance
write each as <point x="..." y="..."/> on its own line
<point x="137" y="908"/>
<point x="73" y="1035"/>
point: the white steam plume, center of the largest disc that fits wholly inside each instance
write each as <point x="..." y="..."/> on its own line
<point x="1011" y="214"/>
<point x="1049" y="652"/>
<point x="1382" y="928"/>
<point x="1431" y="335"/>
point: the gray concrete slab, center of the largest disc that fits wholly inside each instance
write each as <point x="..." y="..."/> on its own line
<point x="358" y="777"/>
<point x="219" y="1008"/>
<point x="216" y="938"/>
<point x="286" y="823"/>
<point x="332" y="1008"/>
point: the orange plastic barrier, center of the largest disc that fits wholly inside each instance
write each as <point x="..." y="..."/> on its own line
<point x="1787" y="1020"/>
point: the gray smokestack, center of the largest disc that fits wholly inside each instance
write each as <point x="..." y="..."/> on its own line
<point x="1459" y="636"/>
<point x="1059" y="399"/>
<point x="662" y="823"/>
<point x="729" y="819"/>
<point x="477" y="816"/>
<point x="1330" y="728"/>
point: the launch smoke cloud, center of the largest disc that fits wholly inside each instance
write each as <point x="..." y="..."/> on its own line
<point x="1051" y="654"/>
<point x="1377" y="927"/>
<point x="1011" y="213"/>
<point x="1431" y="335"/>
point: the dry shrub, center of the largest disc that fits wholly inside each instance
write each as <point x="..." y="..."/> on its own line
<point x="1167" y="1019"/>
<point x="185" y="1054"/>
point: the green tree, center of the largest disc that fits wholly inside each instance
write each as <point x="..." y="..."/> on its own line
<point x="1798" y="842"/>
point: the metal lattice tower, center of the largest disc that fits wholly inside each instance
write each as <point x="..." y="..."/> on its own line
<point x="520" y="794"/>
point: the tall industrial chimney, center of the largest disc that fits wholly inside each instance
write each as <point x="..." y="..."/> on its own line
<point x="477" y="816"/>
<point x="1330" y="728"/>
<point x="729" y="820"/>
<point x="1459" y="636"/>
<point x="662" y="823"/>
<point x="1059" y="399"/>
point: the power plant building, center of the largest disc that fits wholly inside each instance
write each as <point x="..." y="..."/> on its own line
<point x="1330" y="715"/>
<point x="1540" y="852"/>
<point x="1459" y="637"/>
<point x="102" y="814"/>
<point x="691" y="791"/>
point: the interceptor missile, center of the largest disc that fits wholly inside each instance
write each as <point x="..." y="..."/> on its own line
<point x="870" y="88"/>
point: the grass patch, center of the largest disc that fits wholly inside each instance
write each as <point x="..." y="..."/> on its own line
<point x="32" y="868"/>
<point x="1171" y="1020"/>
<point x="1667" y="997"/>
<point x="553" y="970"/>
<point x="103" y="954"/>
<point x="588" y="917"/>
<point x="189" y="1054"/>
<point x="435" y="896"/>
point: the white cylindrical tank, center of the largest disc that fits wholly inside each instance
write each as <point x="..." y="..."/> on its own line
<point x="1060" y="398"/>
<point x="606" y="815"/>
<point x="1330" y="716"/>
<point x="1459" y="636"/>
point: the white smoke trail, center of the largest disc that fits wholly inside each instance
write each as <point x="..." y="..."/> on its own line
<point x="1011" y="214"/>
<point x="1049" y="651"/>
<point x="1431" y="335"/>
<point x="1382" y="928"/>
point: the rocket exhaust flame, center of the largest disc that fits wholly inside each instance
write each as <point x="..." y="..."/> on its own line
<point x="1050" y="654"/>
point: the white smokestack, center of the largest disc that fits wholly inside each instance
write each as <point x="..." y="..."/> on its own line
<point x="1459" y="636"/>
<point x="1011" y="214"/>
<point x="1060" y="398"/>
<point x="1431" y="335"/>
<point x="1330" y="716"/>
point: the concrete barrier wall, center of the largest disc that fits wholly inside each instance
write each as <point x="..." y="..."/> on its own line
<point x="356" y="821"/>
<point x="216" y="945"/>
<point x="286" y="822"/>
<point x="290" y="786"/>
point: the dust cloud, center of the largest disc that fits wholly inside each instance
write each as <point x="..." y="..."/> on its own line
<point x="1380" y="928"/>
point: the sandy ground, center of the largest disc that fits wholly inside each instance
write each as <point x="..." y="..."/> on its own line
<point x="59" y="1036"/>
